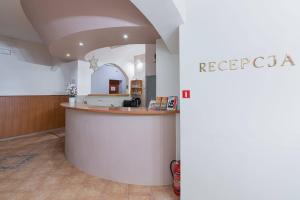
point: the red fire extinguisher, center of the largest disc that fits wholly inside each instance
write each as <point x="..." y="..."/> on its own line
<point x="175" y="170"/>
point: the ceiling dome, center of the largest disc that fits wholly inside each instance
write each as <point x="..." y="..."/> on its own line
<point x="63" y="24"/>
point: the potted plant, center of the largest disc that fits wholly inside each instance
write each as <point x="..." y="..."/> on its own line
<point x="72" y="93"/>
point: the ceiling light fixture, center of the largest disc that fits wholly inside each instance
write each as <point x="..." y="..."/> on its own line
<point x="81" y="44"/>
<point x="68" y="55"/>
<point x="125" y="36"/>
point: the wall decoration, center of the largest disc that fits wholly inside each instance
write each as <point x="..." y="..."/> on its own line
<point x="94" y="63"/>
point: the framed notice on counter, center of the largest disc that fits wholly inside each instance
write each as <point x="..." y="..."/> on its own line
<point x="172" y="103"/>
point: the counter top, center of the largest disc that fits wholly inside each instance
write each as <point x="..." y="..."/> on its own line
<point x="117" y="110"/>
<point x="110" y="95"/>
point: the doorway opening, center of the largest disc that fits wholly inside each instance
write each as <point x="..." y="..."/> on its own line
<point x="114" y="86"/>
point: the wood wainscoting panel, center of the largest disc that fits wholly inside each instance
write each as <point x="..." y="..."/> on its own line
<point x="20" y="115"/>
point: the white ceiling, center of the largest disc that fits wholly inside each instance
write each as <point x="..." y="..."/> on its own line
<point x="62" y="24"/>
<point x="14" y="23"/>
<point x="156" y="10"/>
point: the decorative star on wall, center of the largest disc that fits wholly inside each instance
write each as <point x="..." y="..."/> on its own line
<point x="94" y="63"/>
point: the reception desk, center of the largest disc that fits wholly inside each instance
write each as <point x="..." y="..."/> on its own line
<point x="128" y="145"/>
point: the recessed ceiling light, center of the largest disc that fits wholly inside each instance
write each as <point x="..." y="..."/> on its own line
<point x="81" y="44"/>
<point x="125" y="36"/>
<point x="68" y="55"/>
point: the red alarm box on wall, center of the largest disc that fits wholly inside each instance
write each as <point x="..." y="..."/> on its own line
<point x="186" y="94"/>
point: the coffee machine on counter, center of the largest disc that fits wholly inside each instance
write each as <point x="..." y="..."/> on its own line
<point x="134" y="102"/>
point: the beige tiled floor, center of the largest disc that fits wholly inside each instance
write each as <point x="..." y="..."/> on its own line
<point x="35" y="168"/>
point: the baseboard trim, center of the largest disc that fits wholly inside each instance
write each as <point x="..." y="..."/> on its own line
<point x="31" y="134"/>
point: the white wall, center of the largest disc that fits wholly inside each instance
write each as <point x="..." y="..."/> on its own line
<point x="181" y="6"/>
<point x="140" y="74"/>
<point x="150" y="62"/>
<point x="165" y="16"/>
<point x="167" y="80"/>
<point x="27" y="70"/>
<point x="139" y="67"/>
<point x="167" y="71"/>
<point x="83" y="77"/>
<point x="240" y="129"/>
<point x="25" y="51"/>
<point x="22" y="78"/>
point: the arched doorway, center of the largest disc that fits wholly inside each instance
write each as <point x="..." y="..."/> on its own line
<point x="109" y="79"/>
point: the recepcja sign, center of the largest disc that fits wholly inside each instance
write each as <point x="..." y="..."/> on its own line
<point x="243" y="63"/>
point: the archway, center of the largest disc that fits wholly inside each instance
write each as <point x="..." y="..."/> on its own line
<point x="101" y="78"/>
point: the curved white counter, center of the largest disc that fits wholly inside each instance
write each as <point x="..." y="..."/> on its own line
<point x="132" y="146"/>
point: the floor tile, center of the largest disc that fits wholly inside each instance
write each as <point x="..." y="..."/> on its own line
<point x="49" y="176"/>
<point x="140" y="197"/>
<point x="9" y="185"/>
<point x="116" y="188"/>
<point x="139" y="190"/>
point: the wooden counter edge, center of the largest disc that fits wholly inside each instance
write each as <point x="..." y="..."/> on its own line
<point x="110" y="95"/>
<point x="116" y="110"/>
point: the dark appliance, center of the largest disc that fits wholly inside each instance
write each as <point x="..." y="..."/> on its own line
<point x="134" y="102"/>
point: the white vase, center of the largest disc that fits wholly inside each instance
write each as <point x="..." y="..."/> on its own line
<point x="72" y="101"/>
